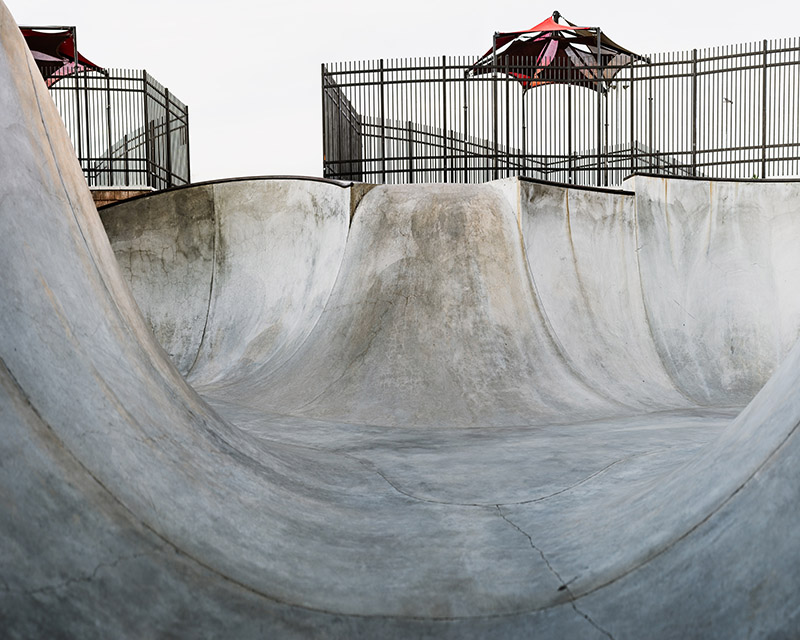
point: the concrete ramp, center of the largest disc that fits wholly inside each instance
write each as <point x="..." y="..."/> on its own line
<point x="510" y="410"/>
<point x="504" y="304"/>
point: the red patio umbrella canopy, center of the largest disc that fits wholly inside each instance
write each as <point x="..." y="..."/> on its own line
<point x="553" y="53"/>
<point x="54" y="53"/>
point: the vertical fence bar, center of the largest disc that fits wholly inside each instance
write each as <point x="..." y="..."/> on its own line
<point x="348" y="167"/>
<point x="339" y="154"/>
<point x="188" y="155"/>
<point x="570" y="177"/>
<point x="88" y="128"/>
<point x="694" y="112"/>
<point x="525" y="156"/>
<point x="109" y="140"/>
<point x="383" y="125"/>
<point x="466" y="132"/>
<point x="324" y="123"/>
<point x="632" y="119"/>
<point x="508" y="117"/>
<point x="650" y="135"/>
<point x="146" y="125"/>
<point x="410" y="152"/>
<point x="495" y="174"/>
<point x="127" y="160"/>
<point x="77" y="97"/>
<point x="764" y="112"/>
<point x="605" y="139"/>
<point x="168" y="139"/>
<point x="599" y="107"/>
<point x="79" y="125"/>
<point x="445" y="141"/>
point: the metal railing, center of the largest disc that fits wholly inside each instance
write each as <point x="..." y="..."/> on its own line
<point x="127" y="129"/>
<point x="730" y="111"/>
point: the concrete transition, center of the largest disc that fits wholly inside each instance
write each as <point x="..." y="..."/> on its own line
<point x="506" y="410"/>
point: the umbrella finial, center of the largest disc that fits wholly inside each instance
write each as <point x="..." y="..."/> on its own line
<point x="556" y="15"/>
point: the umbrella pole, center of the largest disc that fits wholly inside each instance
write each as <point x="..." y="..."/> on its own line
<point x="599" y="111"/>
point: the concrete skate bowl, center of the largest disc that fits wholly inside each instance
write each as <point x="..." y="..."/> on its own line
<point x="501" y="410"/>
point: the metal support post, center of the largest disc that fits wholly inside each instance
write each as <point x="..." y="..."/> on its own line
<point x="599" y="110"/>
<point x="383" y="128"/>
<point x="694" y="112"/>
<point x="148" y="172"/>
<point x="324" y="124"/>
<point x="495" y="172"/>
<point x="764" y="113"/>
<point x="168" y="138"/>
<point x="445" y="141"/>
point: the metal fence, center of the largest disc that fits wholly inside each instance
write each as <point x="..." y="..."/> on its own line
<point x="730" y="111"/>
<point x="126" y="128"/>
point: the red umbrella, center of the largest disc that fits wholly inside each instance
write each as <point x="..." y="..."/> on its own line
<point x="54" y="53"/>
<point x="556" y="53"/>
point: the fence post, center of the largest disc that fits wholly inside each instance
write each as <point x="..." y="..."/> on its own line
<point x="508" y="119"/>
<point x="764" y="113"/>
<point x="466" y="132"/>
<point x="524" y="109"/>
<point x="127" y="162"/>
<point x="599" y="111"/>
<point x="188" y="155"/>
<point x="569" y="134"/>
<point x="168" y="139"/>
<point x="410" y="142"/>
<point x="77" y="94"/>
<point x="338" y="146"/>
<point x="631" y="86"/>
<point x="383" y="129"/>
<point x="324" y="124"/>
<point x="694" y="112"/>
<point x="350" y="127"/>
<point x="445" y="140"/>
<point x="495" y="172"/>
<point x="110" y="142"/>
<point x="147" y="159"/>
<point x="90" y="152"/>
<point x="652" y="165"/>
<point x="606" y="126"/>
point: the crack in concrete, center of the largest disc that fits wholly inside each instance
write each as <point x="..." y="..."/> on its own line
<point x="368" y="464"/>
<point x="22" y="396"/>
<point x="564" y="585"/>
<point x="86" y="578"/>
<point x="706" y="519"/>
<point x="371" y="466"/>
<point x="214" y="259"/>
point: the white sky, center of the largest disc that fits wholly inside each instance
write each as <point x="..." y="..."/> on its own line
<point x="250" y="71"/>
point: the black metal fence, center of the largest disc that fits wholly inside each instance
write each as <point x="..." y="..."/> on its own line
<point x="126" y="128"/>
<point x="730" y="111"/>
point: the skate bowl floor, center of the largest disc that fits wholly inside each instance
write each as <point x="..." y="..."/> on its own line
<point x="278" y="407"/>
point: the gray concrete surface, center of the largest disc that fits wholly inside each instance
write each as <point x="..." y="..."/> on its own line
<point x="509" y="410"/>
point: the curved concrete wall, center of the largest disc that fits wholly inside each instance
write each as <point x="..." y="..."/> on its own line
<point x="719" y="274"/>
<point x="584" y="260"/>
<point x="232" y="273"/>
<point x="507" y="303"/>
<point x="659" y="296"/>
